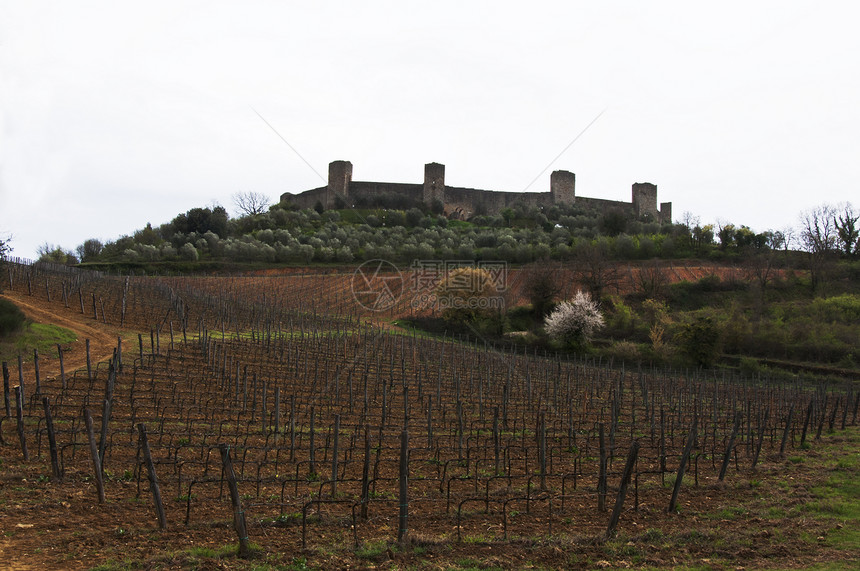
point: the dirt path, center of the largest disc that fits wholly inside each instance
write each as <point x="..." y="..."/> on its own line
<point x="102" y="342"/>
<point x="103" y="338"/>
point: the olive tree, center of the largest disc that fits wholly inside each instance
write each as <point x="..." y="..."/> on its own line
<point x="90" y="250"/>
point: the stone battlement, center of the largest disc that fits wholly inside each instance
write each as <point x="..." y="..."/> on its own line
<point x="456" y="202"/>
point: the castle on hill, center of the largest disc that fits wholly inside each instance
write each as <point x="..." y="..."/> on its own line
<point x="457" y="202"/>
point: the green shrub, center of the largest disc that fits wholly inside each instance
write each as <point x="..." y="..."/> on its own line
<point x="625" y="351"/>
<point x="467" y="295"/>
<point x="841" y="308"/>
<point x="699" y="341"/>
<point x="521" y="318"/>
<point x="849" y="361"/>
<point x="11" y="318"/>
<point x="736" y="333"/>
<point x="702" y="293"/>
<point x="749" y="366"/>
<point x="620" y="318"/>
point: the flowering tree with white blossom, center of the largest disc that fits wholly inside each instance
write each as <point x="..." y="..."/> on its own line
<point x="574" y="321"/>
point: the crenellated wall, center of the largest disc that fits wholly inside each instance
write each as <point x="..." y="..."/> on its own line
<point x="342" y="191"/>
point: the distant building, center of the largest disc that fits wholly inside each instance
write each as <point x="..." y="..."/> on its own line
<point x="458" y="202"/>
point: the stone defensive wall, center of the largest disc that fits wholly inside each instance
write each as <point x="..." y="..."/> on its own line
<point x="457" y="202"/>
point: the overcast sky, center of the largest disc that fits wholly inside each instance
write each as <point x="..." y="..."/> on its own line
<point x="115" y="114"/>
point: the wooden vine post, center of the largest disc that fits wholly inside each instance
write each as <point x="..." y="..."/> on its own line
<point x="731" y="445"/>
<point x="62" y="367"/>
<point x="365" y="474"/>
<point x="21" y="378"/>
<point x="601" y="475"/>
<point x="238" y="513"/>
<point x="36" y="371"/>
<point x="6" y="395"/>
<point x="403" y="520"/>
<point x="52" y="439"/>
<point x="89" y="362"/>
<point x="622" y="490"/>
<point x="153" y="480"/>
<point x="19" y="411"/>
<point x="94" y="454"/>
<point x="685" y="458"/>
<point x="334" y="456"/>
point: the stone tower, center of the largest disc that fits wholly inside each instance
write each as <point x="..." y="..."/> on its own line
<point x="645" y="199"/>
<point x="562" y="187"/>
<point x="434" y="183"/>
<point x="339" y="177"/>
<point x="665" y="212"/>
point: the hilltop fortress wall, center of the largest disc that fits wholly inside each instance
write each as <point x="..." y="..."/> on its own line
<point x="457" y="202"/>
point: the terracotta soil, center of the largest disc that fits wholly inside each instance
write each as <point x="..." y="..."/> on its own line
<point x="59" y="525"/>
<point x="750" y="521"/>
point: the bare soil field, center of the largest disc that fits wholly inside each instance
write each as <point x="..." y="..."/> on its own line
<point x="312" y="408"/>
<point x="103" y="338"/>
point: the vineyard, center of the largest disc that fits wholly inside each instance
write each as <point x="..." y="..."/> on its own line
<point x="277" y="413"/>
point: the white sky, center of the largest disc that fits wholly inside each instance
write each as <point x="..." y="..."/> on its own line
<point x="115" y="114"/>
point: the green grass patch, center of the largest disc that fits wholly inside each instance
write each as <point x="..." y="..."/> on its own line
<point x="41" y="336"/>
<point x="837" y="500"/>
<point x="776" y="512"/>
<point x="298" y="564"/>
<point x="833" y="566"/>
<point x="124" y="565"/>
<point x="373" y="550"/>
<point x="479" y="538"/>
<point x="192" y="558"/>
<point x="731" y="512"/>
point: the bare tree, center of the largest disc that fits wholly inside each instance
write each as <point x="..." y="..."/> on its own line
<point x="781" y="239"/>
<point x="760" y="269"/>
<point x="250" y="203"/>
<point x="818" y="237"/>
<point x="790" y="238"/>
<point x="543" y="285"/>
<point x="689" y="220"/>
<point x="652" y="279"/>
<point x="593" y="268"/>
